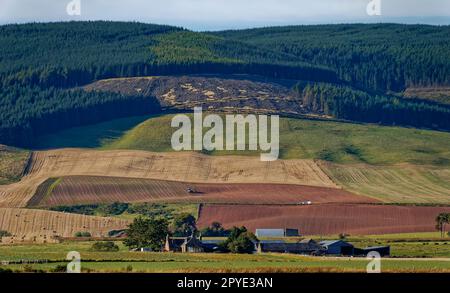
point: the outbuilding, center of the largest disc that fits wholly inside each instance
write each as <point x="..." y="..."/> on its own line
<point x="273" y="233"/>
<point x="337" y="247"/>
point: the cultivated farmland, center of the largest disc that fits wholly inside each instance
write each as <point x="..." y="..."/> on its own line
<point x="186" y="167"/>
<point x="42" y="226"/>
<point x="399" y="184"/>
<point x="74" y="190"/>
<point x="326" y="219"/>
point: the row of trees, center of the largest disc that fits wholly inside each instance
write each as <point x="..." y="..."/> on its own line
<point x="344" y="102"/>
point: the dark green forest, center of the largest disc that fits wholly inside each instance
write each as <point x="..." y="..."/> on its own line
<point x="381" y="57"/>
<point x="347" y="103"/>
<point x="351" y="70"/>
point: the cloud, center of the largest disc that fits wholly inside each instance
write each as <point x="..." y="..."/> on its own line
<point x="211" y="14"/>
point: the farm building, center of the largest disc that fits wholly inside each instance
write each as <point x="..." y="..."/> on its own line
<point x="212" y="245"/>
<point x="183" y="244"/>
<point x="306" y="247"/>
<point x="382" y="250"/>
<point x="337" y="247"/>
<point x="261" y="233"/>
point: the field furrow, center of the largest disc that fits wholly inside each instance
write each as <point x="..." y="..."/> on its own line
<point x="188" y="167"/>
<point x="43" y="226"/>
<point x="326" y="219"/>
<point x="72" y="190"/>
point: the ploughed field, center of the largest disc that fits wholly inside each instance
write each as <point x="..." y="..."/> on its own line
<point x="74" y="190"/>
<point x="326" y="219"/>
<point x="27" y="225"/>
<point x="185" y="167"/>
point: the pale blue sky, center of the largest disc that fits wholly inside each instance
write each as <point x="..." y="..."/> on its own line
<point x="228" y="14"/>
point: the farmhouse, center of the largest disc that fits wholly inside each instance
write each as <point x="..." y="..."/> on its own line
<point x="183" y="244"/>
<point x="261" y="233"/>
<point x="337" y="247"/>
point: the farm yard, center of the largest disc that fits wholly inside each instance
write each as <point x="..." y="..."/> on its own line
<point x="27" y="225"/>
<point x="326" y="219"/>
<point x="74" y="190"/>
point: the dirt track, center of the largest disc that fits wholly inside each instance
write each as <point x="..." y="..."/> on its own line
<point x="187" y="167"/>
<point x="93" y="189"/>
<point x="326" y="219"/>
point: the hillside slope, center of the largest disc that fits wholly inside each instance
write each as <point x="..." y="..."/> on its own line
<point x="315" y="139"/>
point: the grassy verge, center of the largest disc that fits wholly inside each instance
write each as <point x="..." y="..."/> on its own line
<point x="125" y="260"/>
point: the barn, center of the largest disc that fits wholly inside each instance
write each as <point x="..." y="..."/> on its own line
<point x="303" y="247"/>
<point x="286" y="232"/>
<point x="337" y="247"/>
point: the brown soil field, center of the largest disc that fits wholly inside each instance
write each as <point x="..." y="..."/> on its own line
<point x="326" y="219"/>
<point x="186" y="167"/>
<point x="230" y="94"/>
<point x="41" y="226"/>
<point x="74" y="190"/>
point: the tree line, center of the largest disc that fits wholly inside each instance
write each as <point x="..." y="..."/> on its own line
<point x="344" y="102"/>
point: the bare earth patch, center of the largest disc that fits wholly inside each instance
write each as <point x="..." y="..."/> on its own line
<point x="326" y="219"/>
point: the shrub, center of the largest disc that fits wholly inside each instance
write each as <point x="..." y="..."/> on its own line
<point x="83" y="234"/>
<point x="4" y="233"/>
<point x="240" y="241"/>
<point x="107" y="246"/>
<point x="59" y="269"/>
<point x="2" y="271"/>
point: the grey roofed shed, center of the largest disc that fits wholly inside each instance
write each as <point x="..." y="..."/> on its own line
<point x="282" y="232"/>
<point x="338" y="247"/>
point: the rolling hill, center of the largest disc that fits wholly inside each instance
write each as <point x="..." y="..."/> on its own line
<point x="391" y="164"/>
<point x="358" y="67"/>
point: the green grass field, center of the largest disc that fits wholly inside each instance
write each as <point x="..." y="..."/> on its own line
<point x="178" y="262"/>
<point x="299" y="139"/>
